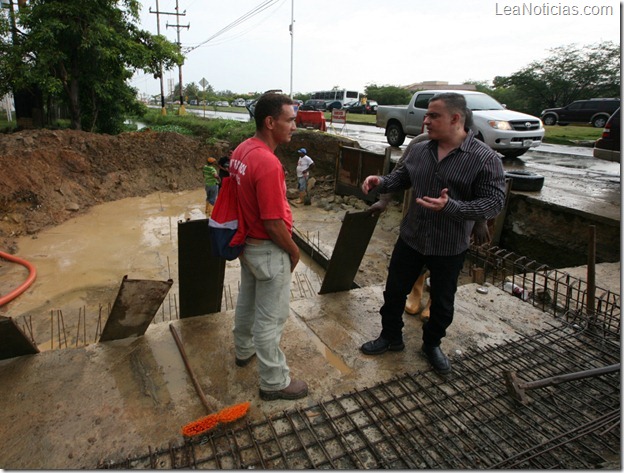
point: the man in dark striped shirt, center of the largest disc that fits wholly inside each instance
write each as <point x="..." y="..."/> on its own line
<point x="455" y="180"/>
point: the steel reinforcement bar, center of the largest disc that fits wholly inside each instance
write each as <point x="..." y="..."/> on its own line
<point x="465" y="420"/>
<point x="551" y="290"/>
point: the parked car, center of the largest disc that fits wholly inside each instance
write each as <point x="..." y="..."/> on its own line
<point x="222" y="103"/>
<point x="506" y="131"/>
<point x="240" y="102"/>
<point x="314" y="104"/>
<point x="332" y="104"/>
<point x="356" y="107"/>
<point x="608" y="146"/>
<point x="594" y="111"/>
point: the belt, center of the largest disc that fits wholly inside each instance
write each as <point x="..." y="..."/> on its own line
<point x="256" y="241"/>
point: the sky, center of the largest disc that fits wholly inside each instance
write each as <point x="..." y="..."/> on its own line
<point x="245" y="45"/>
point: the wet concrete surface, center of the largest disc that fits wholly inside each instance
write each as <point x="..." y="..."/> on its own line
<point x="80" y="407"/>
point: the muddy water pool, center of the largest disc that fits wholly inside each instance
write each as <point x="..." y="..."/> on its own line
<point x="80" y="265"/>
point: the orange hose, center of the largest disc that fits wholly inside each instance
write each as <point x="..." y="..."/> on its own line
<point x="25" y="285"/>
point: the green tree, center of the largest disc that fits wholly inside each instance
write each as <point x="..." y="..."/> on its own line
<point x="387" y="94"/>
<point x="569" y="73"/>
<point x="82" y="54"/>
<point x="192" y="92"/>
<point x="508" y="96"/>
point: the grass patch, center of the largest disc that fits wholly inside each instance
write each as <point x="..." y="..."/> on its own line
<point x="210" y="130"/>
<point x="358" y="118"/>
<point x="5" y="125"/>
<point x="571" y="135"/>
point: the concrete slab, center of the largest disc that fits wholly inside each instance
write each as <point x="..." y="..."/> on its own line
<point x="76" y="407"/>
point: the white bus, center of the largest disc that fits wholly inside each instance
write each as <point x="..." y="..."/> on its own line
<point x="342" y="95"/>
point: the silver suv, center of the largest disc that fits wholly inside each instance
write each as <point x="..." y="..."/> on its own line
<point x="594" y="111"/>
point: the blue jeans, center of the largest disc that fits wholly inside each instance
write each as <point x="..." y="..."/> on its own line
<point x="406" y="265"/>
<point x="211" y="194"/>
<point x="303" y="183"/>
<point x="262" y="310"/>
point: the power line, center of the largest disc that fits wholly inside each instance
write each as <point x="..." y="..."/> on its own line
<point x="250" y="14"/>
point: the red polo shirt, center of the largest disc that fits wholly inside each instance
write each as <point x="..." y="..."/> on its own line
<point x="261" y="186"/>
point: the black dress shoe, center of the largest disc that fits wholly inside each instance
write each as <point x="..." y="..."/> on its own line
<point x="438" y="360"/>
<point x="381" y="345"/>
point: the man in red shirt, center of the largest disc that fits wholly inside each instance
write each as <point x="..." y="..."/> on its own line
<point x="270" y="253"/>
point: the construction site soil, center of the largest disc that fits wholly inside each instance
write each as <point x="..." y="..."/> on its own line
<point x="48" y="176"/>
<point x="51" y="176"/>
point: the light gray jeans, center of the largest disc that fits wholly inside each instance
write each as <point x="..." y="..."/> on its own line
<point x="261" y="311"/>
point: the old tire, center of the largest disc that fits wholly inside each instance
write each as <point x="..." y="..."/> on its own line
<point x="525" y="181"/>
<point x="515" y="153"/>
<point x="395" y="135"/>
<point x="549" y="119"/>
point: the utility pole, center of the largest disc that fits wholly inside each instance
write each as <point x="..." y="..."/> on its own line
<point x="177" y="26"/>
<point x="163" y="108"/>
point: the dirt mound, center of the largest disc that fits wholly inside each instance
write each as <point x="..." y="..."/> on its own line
<point x="50" y="175"/>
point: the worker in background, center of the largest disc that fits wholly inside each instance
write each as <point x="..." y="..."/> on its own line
<point x="224" y="165"/>
<point x="211" y="183"/>
<point x="304" y="164"/>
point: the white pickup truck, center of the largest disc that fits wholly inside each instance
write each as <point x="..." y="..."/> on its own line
<point x="508" y="132"/>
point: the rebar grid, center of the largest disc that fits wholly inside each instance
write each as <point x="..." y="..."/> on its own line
<point x="551" y="290"/>
<point x="465" y="420"/>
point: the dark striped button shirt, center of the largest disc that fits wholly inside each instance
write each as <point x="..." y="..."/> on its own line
<point x="472" y="173"/>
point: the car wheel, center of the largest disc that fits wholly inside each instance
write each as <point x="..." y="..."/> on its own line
<point x="600" y="122"/>
<point x="549" y="119"/>
<point x="525" y="181"/>
<point x="395" y="135"/>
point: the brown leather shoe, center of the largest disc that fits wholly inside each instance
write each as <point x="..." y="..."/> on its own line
<point x="295" y="390"/>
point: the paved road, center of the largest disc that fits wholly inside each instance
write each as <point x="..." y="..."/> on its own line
<point x="573" y="177"/>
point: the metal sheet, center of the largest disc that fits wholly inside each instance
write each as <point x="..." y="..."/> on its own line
<point x="353" y="166"/>
<point x="134" y="308"/>
<point x="355" y="234"/>
<point x="13" y="342"/>
<point x="200" y="274"/>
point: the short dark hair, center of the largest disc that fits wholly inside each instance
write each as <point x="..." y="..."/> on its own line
<point x="455" y="103"/>
<point x="269" y="105"/>
<point x="468" y="122"/>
